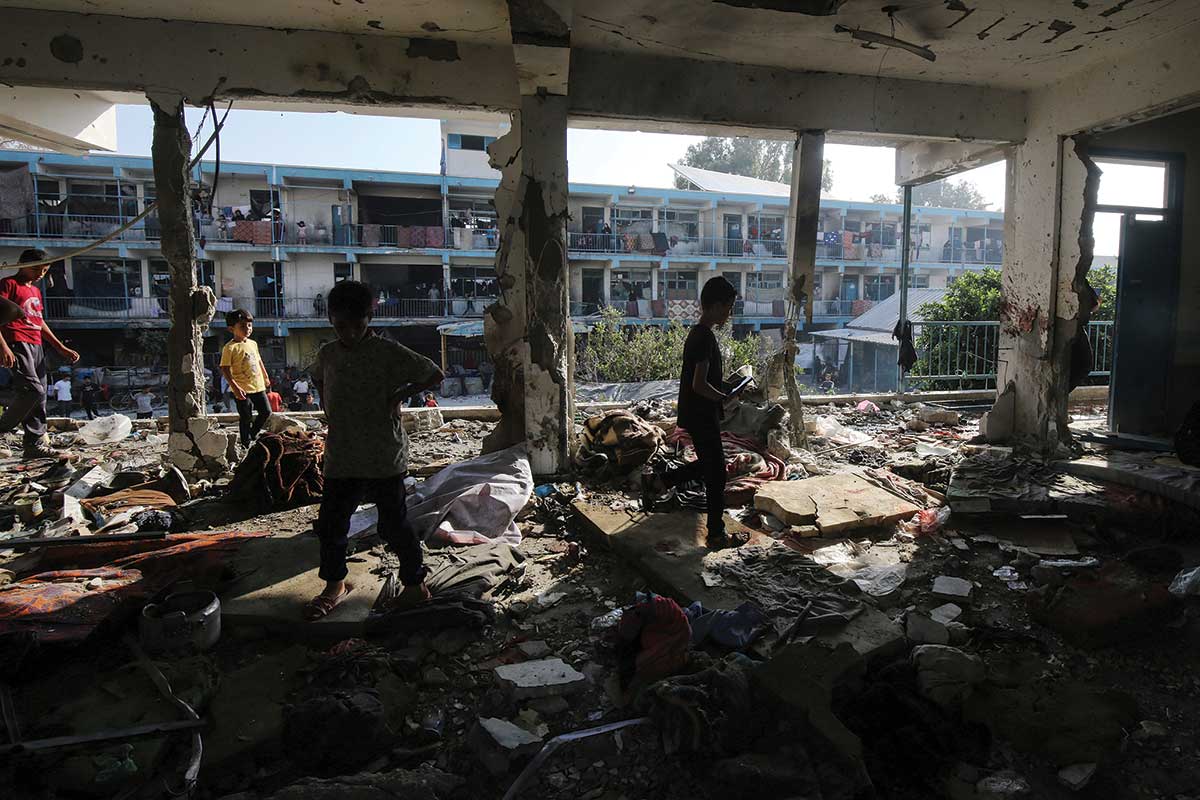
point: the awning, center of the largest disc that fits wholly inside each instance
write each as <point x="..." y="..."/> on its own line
<point x="474" y="327"/>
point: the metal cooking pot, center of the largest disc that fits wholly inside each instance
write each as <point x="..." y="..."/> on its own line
<point x="184" y="620"/>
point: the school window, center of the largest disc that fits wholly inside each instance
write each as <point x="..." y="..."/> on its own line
<point x="463" y="141"/>
<point x="764" y="286"/>
<point x="634" y="220"/>
<point x="918" y="281"/>
<point x="680" y="285"/>
<point x="629" y="285"/>
<point x="684" y="224"/>
<point x="879" y="287"/>
<point x="342" y="272"/>
<point x="160" y="275"/>
<point x="767" y="227"/>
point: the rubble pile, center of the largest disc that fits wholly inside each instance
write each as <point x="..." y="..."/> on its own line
<point x="914" y="615"/>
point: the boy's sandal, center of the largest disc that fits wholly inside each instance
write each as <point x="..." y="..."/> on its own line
<point x="321" y="605"/>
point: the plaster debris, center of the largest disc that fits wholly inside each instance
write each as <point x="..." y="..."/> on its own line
<point x="551" y="676"/>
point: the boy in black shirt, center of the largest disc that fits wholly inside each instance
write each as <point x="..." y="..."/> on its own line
<point x="702" y="395"/>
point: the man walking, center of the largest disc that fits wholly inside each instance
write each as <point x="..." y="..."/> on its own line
<point x="62" y="393"/>
<point x="88" y="395"/>
<point x="21" y="351"/>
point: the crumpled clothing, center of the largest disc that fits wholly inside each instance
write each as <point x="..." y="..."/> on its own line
<point x="473" y="571"/>
<point x="110" y="504"/>
<point x="800" y="596"/>
<point x="748" y="466"/>
<point x="655" y="636"/>
<point x="280" y="470"/>
<point x="733" y="630"/>
<point x="440" y="613"/>
<point x="151" y="520"/>
<point x="616" y="443"/>
<point x="711" y="711"/>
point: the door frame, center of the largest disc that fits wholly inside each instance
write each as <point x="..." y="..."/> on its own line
<point x="1172" y="215"/>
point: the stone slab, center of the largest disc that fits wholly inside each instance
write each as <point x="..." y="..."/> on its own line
<point x="544" y="678"/>
<point x="834" y="503"/>
<point x="951" y="588"/>
<point x="1156" y="473"/>
<point x="668" y="550"/>
<point x="278" y="575"/>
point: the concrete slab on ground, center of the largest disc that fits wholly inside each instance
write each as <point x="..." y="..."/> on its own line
<point x="835" y="503"/>
<point x="668" y="550"/>
<point x="1156" y="473"/>
<point x="278" y="575"/>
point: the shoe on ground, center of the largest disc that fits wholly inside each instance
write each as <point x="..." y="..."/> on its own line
<point x="41" y="449"/>
<point x="410" y="597"/>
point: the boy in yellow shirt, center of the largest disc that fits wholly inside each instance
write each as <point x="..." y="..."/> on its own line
<point x="247" y="377"/>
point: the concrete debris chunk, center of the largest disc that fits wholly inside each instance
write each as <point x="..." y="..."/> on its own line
<point x="1076" y="776"/>
<point x="946" y="675"/>
<point x="946" y="613"/>
<point x="1002" y="786"/>
<point x="534" y="649"/>
<point x="920" y="629"/>
<point x="498" y="742"/>
<point x="529" y="679"/>
<point x="833" y="503"/>
<point x="950" y="588"/>
<point x="937" y="416"/>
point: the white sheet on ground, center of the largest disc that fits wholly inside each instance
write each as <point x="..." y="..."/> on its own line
<point x="475" y="501"/>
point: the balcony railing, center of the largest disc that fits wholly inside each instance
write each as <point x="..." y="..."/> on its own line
<point x="76" y="226"/>
<point x="866" y="251"/>
<point x="106" y="308"/>
<point x="964" y="354"/>
<point x="660" y="244"/>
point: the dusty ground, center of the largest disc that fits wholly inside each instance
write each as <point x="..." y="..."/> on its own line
<point x="435" y="685"/>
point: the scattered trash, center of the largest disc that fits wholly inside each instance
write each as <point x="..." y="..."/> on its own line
<point x="1006" y="573"/>
<point x="606" y="622"/>
<point x="926" y="449"/>
<point x="952" y="588"/>
<point x="829" y="428"/>
<point x="1186" y="583"/>
<point x="103" y="430"/>
<point x="880" y="581"/>
<point x="928" y="520"/>
<point x="867" y="407"/>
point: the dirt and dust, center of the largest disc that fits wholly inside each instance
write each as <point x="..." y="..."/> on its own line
<point x="1051" y="704"/>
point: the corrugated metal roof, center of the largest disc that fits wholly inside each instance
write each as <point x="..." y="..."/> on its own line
<point x="883" y="315"/>
<point x="712" y="181"/>
<point x="858" y="335"/>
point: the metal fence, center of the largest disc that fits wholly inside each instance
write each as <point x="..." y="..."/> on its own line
<point x="675" y="245"/>
<point x="964" y="354"/>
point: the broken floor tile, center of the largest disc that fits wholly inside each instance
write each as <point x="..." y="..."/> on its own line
<point x="550" y="676"/>
<point x="951" y="588"/>
<point x="946" y="613"/>
<point x="496" y="742"/>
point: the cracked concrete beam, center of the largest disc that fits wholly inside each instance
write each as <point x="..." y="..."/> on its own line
<point x="925" y="162"/>
<point x="679" y="90"/>
<point x="199" y="60"/>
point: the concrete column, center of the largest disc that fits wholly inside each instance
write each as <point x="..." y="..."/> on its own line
<point x="607" y="287"/>
<point x="191" y="447"/>
<point x="1049" y="205"/>
<point x="804" y="211"/>
<point x="654" y="290"/>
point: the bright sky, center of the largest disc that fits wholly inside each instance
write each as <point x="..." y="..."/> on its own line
<point x="612" y="157"/>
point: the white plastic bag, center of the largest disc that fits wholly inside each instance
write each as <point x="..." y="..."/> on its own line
<point x="836" y="432"/>
<point x="106" y="429"/>
<point x="474" y="502"/>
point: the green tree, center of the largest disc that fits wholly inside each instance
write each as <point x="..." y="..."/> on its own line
<point x="961" y="349"/>
<point x="944" y="194"/>
<point x="620" y="353"/>
<point x="765" y="159"/>
<point x="886" y="199"/>
<point x="1103" y="279"/>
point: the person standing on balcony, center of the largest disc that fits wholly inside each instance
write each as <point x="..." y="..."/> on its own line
<point x="21" y="351"/>
<point x="88" y="395"/>
<point x="248" y="380"/>
<point x="62" y="393"/>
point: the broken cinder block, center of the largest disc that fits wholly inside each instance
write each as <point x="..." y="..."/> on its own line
<point x="951" y="588"/>
<point x="544" y="678"/>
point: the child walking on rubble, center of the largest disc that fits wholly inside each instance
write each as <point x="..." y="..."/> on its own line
<point x="362" y="380"/>
<point x="702" y="398"/>
<point x="247" y="377"/>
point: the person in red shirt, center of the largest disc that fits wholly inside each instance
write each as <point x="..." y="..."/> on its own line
<point x="275" y="401"/>
<point x="21" y="351"/>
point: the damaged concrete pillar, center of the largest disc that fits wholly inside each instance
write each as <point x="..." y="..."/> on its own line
<point x="191" y="446"/>
<point x="805" y="208"/>
<point x="1049" y="206"/>
<point x="528" y="331"/>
